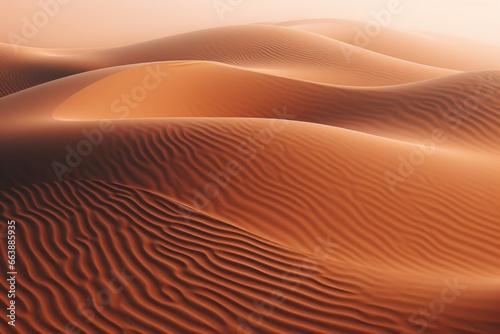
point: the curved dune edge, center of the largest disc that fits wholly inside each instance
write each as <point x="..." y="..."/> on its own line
<point x="436" y="206"/>
<point x="462" y="108"/>
<point x="205" y="275"/>
<point x="283" y="51"/>
<point x="262" y="183"/>
<point x="420" y="47"/>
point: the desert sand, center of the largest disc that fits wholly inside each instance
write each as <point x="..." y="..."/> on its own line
<point x="254" y="179"/>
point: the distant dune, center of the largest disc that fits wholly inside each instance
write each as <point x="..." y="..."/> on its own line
<point x="254" y="179"/>
<point x="420" y="47"/>
<point x="271" y="49"/>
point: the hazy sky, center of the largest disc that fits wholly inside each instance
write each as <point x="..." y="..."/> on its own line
<point x="85" y="23"/>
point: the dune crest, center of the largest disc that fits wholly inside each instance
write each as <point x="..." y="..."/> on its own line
<point x="254" y="179"/>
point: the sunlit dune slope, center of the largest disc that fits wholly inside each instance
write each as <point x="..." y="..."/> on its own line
<point x="278" y="50"/>
<point x="254" y="179"/>
<point x="431" y="49"/>
<point x="466" y="107"/>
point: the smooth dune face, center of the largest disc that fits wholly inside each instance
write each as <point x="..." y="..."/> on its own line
<point x="269" y="49"/>
<point x="447" y="51"/>
<point x="264" y="178"/>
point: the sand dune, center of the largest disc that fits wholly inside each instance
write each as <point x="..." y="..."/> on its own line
<point x="409" y="244"/>
<point x="344" y="154"/>
<point x="252" y="179"/>
<point x="431" y="49"/>
<point x="24" y="67"/>
<point x="283" y="51"/>
<point x="225" y="268"/>
<point x="464" y="107"/>
<point x="280" y="50"/>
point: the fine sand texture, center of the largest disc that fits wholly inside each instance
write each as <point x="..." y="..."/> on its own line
<point x="266" y="178"/>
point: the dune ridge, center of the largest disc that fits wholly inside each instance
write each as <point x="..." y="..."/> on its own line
<point x="262" y="183"/>
<point x="458" y="105"/>
<point x="283" y="51"/>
